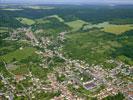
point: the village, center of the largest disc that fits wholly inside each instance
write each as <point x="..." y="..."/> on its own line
<point x="75" y="73"/>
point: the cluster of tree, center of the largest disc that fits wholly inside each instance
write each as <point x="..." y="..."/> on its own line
<point x="54" y="25"/>
<point x="8" y="21"/>
<point x="126" y="51"/>
<point x="118" y="96"/>
<point x="121" y="21"/>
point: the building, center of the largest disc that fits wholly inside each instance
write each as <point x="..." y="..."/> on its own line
<point x="89" y="85"/>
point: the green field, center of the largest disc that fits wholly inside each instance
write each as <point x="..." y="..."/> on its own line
<point x="76" y="25"/>
<point x="117" y="29"/>
<point x="3" y="29"/>
<point x="26" y="21"/>
<point x="18" y="54"/>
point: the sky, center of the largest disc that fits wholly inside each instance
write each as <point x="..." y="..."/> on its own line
<point x="69" y="1"/>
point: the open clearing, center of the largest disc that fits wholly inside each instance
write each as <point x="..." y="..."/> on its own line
<point x="76" y="25"/>
<point x="19" y="54"/>
<point x="117" y="29"/>
<point x="26" y="21"/>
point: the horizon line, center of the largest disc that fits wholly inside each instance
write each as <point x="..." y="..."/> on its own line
<point x="69" y="3"/>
